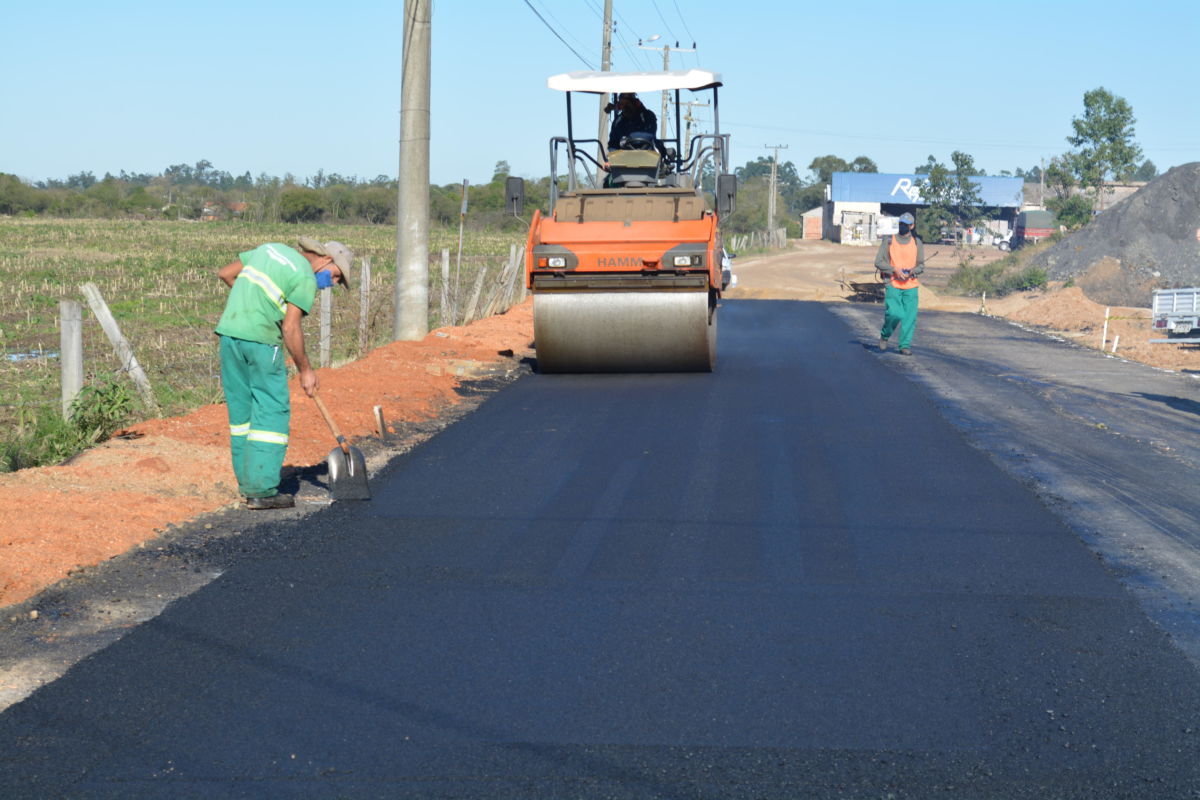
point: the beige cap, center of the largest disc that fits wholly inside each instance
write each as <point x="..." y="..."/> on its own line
<point x="341" y="255"/>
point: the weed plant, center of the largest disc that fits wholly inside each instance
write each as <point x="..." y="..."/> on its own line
<point x="159" y="280"/>
<point x="43" y="437"/>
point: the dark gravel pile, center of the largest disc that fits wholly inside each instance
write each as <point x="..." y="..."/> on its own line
<point x="1148" y="241"/>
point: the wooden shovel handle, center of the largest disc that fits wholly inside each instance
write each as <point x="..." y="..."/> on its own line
<point x="332" y="425"/>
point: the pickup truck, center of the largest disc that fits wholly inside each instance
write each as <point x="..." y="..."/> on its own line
<point x="1176" y="312"/>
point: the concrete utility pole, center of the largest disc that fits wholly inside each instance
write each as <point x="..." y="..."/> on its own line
<point x="771" y="191"/>
<point x="412" y="213"/>
<point x="605" y="66"/>
<point x="666" y="51"/>
<point x="689" y="119"/>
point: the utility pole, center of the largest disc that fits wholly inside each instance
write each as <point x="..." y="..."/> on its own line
<point x="771" y="191"/>
<point x="605" y="66"/>
<point x="666" y="51"/>
<point x="689" y="119"/>
<point x="412" y="214"/>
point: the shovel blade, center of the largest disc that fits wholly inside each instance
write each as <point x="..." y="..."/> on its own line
<point x="348" y="475"/>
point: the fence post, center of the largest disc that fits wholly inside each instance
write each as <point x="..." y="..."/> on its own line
<point x="70" y="352"/>
<point x="120" y="345"/>
<point x="364" y="304"/>
<point x="522" y="290"/>
<point x="469" y="316"/>
<point x="447" y="312"/>
<point x="326" y="324"/>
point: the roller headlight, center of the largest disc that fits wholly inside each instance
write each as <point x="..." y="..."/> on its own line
<point x="556" y="261"/>
<point x="688" y="261"/>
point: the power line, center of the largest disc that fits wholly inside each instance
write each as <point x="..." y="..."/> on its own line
<point x="666" y="24"/>
<point x="562" y="27"/>
<point x="683" y="19"/>
<point x="560" y="38"/>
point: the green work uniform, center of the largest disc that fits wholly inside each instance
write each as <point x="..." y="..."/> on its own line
<point x="253" y="363"/>
<point x="899" y="311"/>
<point x="898" y="253"/>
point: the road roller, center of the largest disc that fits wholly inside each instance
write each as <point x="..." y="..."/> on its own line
<point x="625" y="267"/>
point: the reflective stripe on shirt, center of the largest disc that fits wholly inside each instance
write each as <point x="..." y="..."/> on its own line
<point x="264" y="282"/>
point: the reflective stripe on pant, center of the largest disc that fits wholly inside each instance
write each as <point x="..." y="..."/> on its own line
<point x="899" y="310"/>
<point x="254" y="377"/>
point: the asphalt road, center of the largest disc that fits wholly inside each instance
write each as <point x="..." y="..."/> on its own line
<point x="817" y="572"/>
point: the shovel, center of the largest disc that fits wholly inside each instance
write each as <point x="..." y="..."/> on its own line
<point x="347" y="467"/>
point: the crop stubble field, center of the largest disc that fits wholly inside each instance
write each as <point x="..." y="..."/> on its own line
<point x="159" y="279"/>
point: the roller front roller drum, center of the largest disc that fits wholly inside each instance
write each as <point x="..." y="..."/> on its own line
<point x="624" y="331"/>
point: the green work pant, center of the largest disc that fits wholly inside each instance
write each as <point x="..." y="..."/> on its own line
<point x="899" y="310"/>
<point x="255" y="379"/>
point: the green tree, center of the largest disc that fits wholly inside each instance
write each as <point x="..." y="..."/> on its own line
<point x="863" y="164"/>
<point x="1060" y="176"/>
<point x="823" y="167"/>
<point x="301" y="204"/>
<point x="1073" y="211"/>
<point x="1103" y="142"/>
<point x="16" y="197"/>
<point x="952" y="197"/>
<point x="1146" y="172"/>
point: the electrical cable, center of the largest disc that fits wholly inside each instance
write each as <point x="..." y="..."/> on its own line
<point x="550" y="27"/>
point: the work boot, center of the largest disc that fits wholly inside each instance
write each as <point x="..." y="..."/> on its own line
<point x="882" y="344"/>
<point x="904" y="351"/>
<point x="274" y="501"/>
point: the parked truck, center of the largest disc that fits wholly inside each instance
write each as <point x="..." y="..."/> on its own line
<point x="1033" y="226"/>
<point x="1176" y="312"/>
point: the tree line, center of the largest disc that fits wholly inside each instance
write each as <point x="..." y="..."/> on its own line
<point x="1102" y="149"/>
<point x="200" y="191"/>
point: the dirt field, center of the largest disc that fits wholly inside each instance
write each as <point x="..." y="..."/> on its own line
<point x="125" y="492"/>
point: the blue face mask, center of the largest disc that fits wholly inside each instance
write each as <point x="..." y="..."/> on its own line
<point x="324" y="279"/>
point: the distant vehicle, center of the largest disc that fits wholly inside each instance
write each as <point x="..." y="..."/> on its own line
<point x="1033" y="226"/>
<point x="1176" y="312"/>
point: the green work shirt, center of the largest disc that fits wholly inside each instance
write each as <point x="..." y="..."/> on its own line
<point x="272" y="276"/>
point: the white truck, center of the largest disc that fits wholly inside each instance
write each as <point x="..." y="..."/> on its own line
<point x="1176" y="312"/>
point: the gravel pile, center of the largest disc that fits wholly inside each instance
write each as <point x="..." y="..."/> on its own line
<point x="1148" y="241"/>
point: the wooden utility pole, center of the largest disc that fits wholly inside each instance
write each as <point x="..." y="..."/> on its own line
<point x="412" y="218"/>
<point x="771" y="192"/>
<point x="605" y="66"/>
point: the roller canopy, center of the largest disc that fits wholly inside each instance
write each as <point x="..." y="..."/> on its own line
<point x="616" y="82"/>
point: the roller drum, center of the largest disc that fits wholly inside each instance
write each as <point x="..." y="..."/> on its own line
<point x="632" y="331"/>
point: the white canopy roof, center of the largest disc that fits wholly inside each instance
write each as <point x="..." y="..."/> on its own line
<point x="609" y="82"/>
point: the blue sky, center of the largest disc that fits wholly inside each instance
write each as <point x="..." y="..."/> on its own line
<point x="296" y="87"/>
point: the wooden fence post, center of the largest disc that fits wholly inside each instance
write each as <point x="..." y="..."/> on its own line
<point x="326" y="324"/>
<point x="469" y="316"/>
<point x="120" y="345"/>
<point x="70" y="352"/>
<point x="364" y="304"/>
<point x="447" y="312"/>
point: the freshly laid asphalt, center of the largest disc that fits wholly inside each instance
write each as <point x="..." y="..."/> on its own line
<point x="794" y="577"/>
